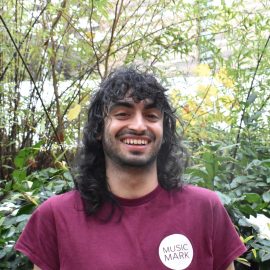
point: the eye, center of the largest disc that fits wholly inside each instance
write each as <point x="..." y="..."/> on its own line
<point x="121" y="115"/>
<point x="153" y="117"/>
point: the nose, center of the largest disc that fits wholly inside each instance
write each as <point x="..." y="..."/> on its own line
<point x="138" y="123"/>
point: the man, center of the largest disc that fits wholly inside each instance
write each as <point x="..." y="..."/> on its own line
<point x="129" y="209"/>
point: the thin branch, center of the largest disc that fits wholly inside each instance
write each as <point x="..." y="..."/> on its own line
<point x="35" y="86"/>
<point x="92" y="38"/>
<point x="21" y="43"/>
<point x="198" y="107"/>
<point x="115" y="22"/>
<point x="248" y="95"/>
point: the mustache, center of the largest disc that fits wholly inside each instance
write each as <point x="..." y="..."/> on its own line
<point x="125" y="132"/>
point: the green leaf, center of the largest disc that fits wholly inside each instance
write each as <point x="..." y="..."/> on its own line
<point x="246" y="209"/>
<point x="252" y="197"/>
<point x="210" y="165"/>
<point x="22" y="157"/>
<point x="2" y="221"/>
<point x="11" y="232"/>
<point x="68" y="176"/>
<point x="198" y="172"/>
<point x="226" y="200"/>
<point x="3" y="253"/>
<point x="238" y="181"/>
<point x="21" y="218"/>
<point x="266" y="162"/>
<point x="26" y="209"/>
<point x="265" y="256"/>
<point x="24" y="154"/>
<point x="19" y="175"/>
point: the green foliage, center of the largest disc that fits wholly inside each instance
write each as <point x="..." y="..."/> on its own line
<point x="245" y="190"/>
<point x="20" y="198"/>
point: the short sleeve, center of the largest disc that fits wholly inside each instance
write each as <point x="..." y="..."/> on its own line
<point x="227" y="245"/>
<point x="38" y="240"/>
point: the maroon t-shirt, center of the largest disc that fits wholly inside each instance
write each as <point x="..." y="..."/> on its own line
<point x="185" y="229"/>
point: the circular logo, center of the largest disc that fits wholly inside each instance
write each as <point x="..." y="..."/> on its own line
<point x="176" y="252"/>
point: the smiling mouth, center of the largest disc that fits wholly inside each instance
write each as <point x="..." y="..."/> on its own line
<point x="135" y="141"/>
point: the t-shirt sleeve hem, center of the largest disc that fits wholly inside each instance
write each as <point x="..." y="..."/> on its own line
<point x="232" y="256"/>
<point x="33" y="257"/>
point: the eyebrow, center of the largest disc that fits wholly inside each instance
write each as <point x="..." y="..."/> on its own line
<point x="121" y="104"/>
<point x="128" y="104"/>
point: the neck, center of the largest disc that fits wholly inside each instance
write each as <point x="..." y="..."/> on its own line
<point x="131" y="183"/>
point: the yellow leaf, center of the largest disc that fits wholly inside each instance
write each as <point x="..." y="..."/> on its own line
<point x="254" y="253"/>
<point x="175" y="97"/>
<point x="90" y="35"/>
<point x="242" y="239"/>
<point x="203" y="134"/>
<point x="29" y="198"/>
<point x="243" y="261"/>
<point x="224" y="78"/>
<point x="85" y="99"/>
<point x="74" y="112"/>
<point x="248" y="238"/>
<point x="202" y="70"/>
<point x="227" y="100"/>
<point x="204" y="89"/>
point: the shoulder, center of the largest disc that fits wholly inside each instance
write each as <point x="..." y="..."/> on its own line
<point x="65" y="198"/>
<point x="64" y="201"/>
<point x="198" y="195"/>
<point x="199" y="191"/>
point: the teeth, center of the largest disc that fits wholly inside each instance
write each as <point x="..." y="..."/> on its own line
<point x="135" y="141"/>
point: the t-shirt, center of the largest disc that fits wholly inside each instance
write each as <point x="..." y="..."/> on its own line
<point x="181" y="229"/>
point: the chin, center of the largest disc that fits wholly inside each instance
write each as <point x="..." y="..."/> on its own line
<point x="137" y="163"/>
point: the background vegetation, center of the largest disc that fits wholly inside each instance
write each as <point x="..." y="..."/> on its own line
<point x="213" y="56"/>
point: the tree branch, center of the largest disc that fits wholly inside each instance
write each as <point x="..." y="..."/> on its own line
<point x="35" y="86"/>
<point x="248" y="95"/>
<point x="21" y="43"/>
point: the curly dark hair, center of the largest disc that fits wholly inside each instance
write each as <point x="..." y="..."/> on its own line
<point x="90" y="178"/>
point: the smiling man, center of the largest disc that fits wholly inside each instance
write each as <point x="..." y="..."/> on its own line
<point x="129" y="208"/>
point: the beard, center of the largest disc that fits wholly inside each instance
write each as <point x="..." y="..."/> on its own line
<point x="132" y="162"/>
<point x="130" y="159"/>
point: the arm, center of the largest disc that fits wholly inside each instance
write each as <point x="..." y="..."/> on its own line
<point x="230" y="267"/>
<point x="37" y="268"/>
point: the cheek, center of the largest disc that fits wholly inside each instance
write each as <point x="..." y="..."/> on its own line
<point x="111" y="129"/>
<point x="159" y="129"/>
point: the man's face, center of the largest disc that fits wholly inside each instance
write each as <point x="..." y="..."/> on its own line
<point x="133" y="133"/>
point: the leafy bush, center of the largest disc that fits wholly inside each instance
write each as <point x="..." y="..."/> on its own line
<point x="20" y="197"/>
<point x="243" y="185"/>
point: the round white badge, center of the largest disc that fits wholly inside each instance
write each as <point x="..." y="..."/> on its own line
<point x="176" y="252"/>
